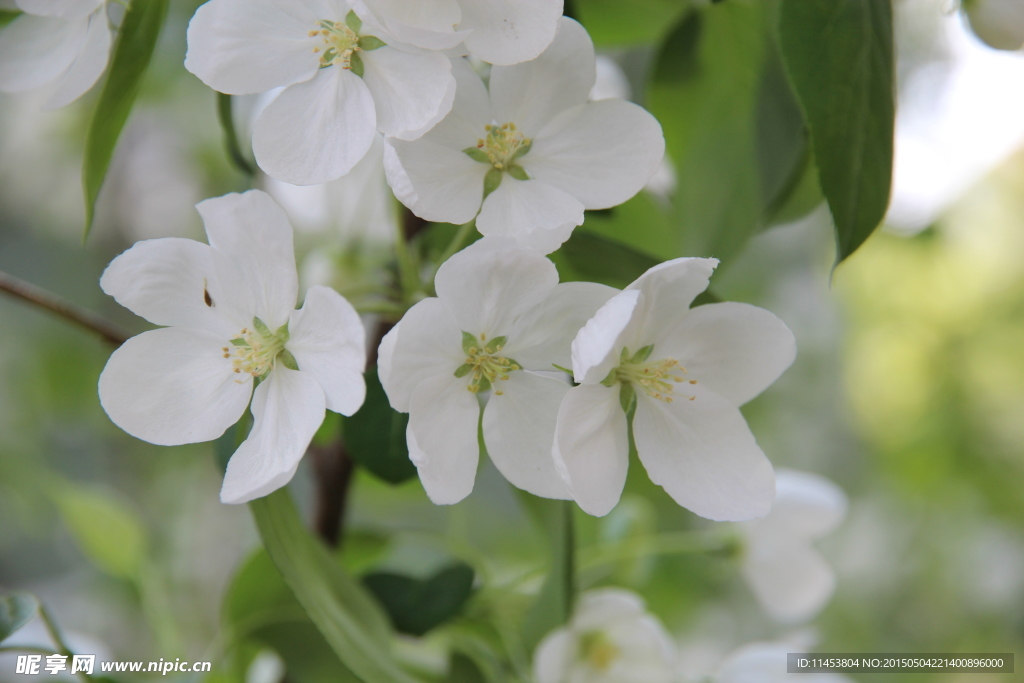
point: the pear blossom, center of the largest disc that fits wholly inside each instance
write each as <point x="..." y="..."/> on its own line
<point x="529" y="152"/>
<point x="788" y="576"/>
<point x="611" y="638"/>
<point x="685" y="372"/>
<point x="62" y="45"/>
<point x="499" y="325"/>
<point x="767" y="663"/>
<point x="496" y="32"/>
<point x="231" y="334"/>
<point x="344" y="77"/>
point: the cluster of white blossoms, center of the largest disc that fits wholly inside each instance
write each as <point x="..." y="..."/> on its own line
<point x="61" y="45"/>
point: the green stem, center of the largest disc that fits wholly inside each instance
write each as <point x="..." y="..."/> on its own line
<point x="677" y="543"/>
<point x="227" y="123"/>
<point x="408" y="280"/>
<point x="51" y="628"/>
<point x="456" y="244"/>
<point x="34" y="649"/>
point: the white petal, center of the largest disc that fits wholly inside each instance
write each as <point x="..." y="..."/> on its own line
<point x="489" y="284"/>
<point x="532" y="94"/>
<point x="426" y="344"/>
<point x="253" y="232"/>
<point x="602" y="153"/>
<point x="554" y="656"/>
<point x="408" y="89"/>
<point x="510" y="32"/>
<point x="735" y="349"/>
<point x="703" y="454"/>
<point x="167" y="282"/>
<point x="173" y="386"/>
<point x="329" y="342"/>
<point x="36" y="50"/>
<point x="385" y="354"/>
<point x="543" y="336"/>
<point x="592" y="447"/>
<point x="245" y="47"/>
<point x="806" y="505"/>
<point x="316" y="131"/>
<point x="596" y="348"/>
<point x="465" y="124"/>
<point x="425" y="23"/>
<point x="88" y="65"/>
<point x="442" y="111"/>
<point x="519" y="430"/>
<point x="669" y="288"/>
<point x="443" y="418"/>
<point x="792" y="581"/>
<point x="533" y="213"/>
<point x="598" y="608"/>
<point x="65" y="9"/>
<point x="287" y="409"/>
<point x="437" y="183"/>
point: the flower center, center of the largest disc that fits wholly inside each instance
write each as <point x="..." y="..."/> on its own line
<point x="598" y="651"/>
<point x="340" y="42"/>
<point x="255" y="350"/>
<point x="484" y="363"/>
<point x="656" y="377"/>
<point x="503" y="144"/>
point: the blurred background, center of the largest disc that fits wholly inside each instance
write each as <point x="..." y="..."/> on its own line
<point x="908" y="390"/>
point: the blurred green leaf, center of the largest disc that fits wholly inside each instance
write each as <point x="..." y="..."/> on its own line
<point x="839" y="55"/>
<point x="106" y="530"/>
<point x="596" y="258"/>
<point x="16" y="610"/>
<point x="554" y="604"/>
<point x="133" y="48"/>
<point x="646" y="223"/>
<point x="799" y="200"/>
<point x="418" y="605"/>
<point x="375" y="436"/>
<point x="613" y="23"/>
<point x="7" y="16"/>
<point x="347" y="617"/>
<point x="227" y="123"/>
<point x="462" y="669"/>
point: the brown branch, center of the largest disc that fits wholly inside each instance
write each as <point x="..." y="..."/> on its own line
<point x="63" y="308"/>
<point x="333" y="468"/>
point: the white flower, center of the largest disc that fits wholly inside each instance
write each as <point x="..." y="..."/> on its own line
<point x="789" y="577"/>
<point x="531" y="153"/>
<point x="62" y="44"/>
<point x="1000" y="23"/>
<point x="496" y="32"/>
<point x="498" y="324"/>
<point x="229" y="312"/>
<point x="345" y="79"/>
<point x="611" y="638"/>
<point x="766" y="663"/>
<point x="687" y="371"/>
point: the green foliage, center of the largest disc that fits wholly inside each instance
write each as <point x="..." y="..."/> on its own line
<point x="348" y="618"/>
<point x="136" y="40"/>
<point x="418" y="605"/>
<point x="375" y="435"/>
<point x="226" y="117"/>
<point x="613" y="23"/>
<point x="839" y="55"/>
<point x="590" y="256"/>
<point x="554" y="604"/>
<point x="106" y="530"/>
<point x="16" y="610"/>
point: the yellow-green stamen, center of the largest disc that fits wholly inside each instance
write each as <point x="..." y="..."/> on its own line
<point x="255" y="350"/>
<point x="484" y="364"/>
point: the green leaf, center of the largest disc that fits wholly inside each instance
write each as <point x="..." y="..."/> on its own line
<point x="839" y="56"/>
<point x="353" y="21"/>
<point x="375" y="436"/>
<point x="16" y="610"/>
<point x="133" y="48"/>
<point x="477" y="154"/>
<point x="106" y="530"/>
<point x="261" y="327"/>
<point x="518" y="172"/>
<point x="642" y="354"/>
<point x="595" y="258"/>
<point x="355" y="64"/>
<point x="7" y="16"/>
<point x="554" y="604"/>
<point x="227" y="123"/>
<point x="347" y="617"/>
<point x="418" y="605"/>
<point x="613" y="23"/>
<point x="491" y="181"/>
<point x="470" y="344"/>
<point x="368" y="43"/>
<point x="288" y="360"/>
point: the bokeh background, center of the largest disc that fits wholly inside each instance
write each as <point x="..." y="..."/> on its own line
<point x="908" y="390"/>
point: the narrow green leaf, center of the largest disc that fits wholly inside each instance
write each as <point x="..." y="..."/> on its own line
<point x="106" y="530"/>
<point x="553" y="606"/>
<point x="288" y="360"/>
<point x="463" y="370"/>
<point x="133" y="48"/>
<point x="418" y="605"/>
<point x="368" y="43"/>
<point x="347" y="617"/>
<point x="16" y="610"/>
<point x="839" y="56"/>
<point x="227" y="123"/>
<point x="495" y="345"/>
<point x="375" y="436"/>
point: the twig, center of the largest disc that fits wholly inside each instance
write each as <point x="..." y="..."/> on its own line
<point x="62" y="307"/>
<point x="334" y="469"/>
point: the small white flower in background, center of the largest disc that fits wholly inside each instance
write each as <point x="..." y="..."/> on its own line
<point x="499" y="324"/>
<point x="766" y="663"/>
<point x="496" y="32"/>
<point x="60" y="44"/>
<point x="530" y="153"/>
<point x="999" y="23"/>
<point x="229" y="312"/>
<point x="611" y="638"/>
<point x="345" y="78"/>
<point x="789" y="577"/>
<point x="687" y="371"/>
